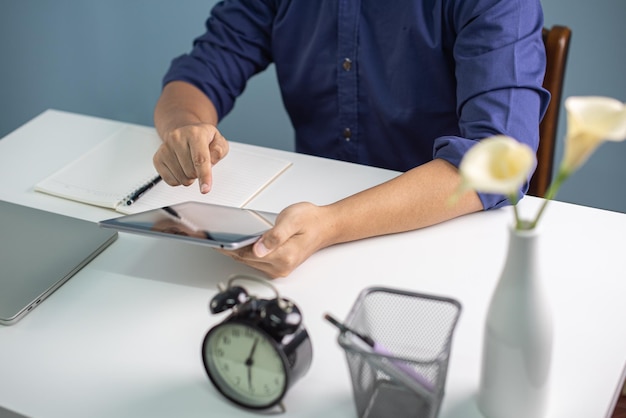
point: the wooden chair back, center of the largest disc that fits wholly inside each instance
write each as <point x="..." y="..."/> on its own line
<point x="556" y="40"/>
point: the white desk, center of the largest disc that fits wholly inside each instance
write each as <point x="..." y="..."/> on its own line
<point x="122" y="337"/>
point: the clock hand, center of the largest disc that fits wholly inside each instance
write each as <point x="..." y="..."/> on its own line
<point x="250" y="362"/>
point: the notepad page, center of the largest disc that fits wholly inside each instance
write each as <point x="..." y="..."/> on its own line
<point x="109" y="172"/>
<point x="237" y="178"/>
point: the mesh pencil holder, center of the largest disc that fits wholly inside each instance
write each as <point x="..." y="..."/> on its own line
<point x="402" y="372"/>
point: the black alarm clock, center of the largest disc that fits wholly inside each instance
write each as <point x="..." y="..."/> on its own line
<point x="256" y="354"/>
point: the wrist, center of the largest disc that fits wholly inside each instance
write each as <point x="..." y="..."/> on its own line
<point x="333" y="226"/>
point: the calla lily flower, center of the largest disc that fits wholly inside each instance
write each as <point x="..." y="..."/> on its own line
<point x="501" y="164"/>
<point x="591" y="121"/>
<point x="498" y="164"/>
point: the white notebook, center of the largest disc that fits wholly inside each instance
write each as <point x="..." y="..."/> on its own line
<point x="112" y="172"/>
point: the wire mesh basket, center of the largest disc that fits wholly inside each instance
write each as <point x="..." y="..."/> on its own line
<point x="402" y="371"/>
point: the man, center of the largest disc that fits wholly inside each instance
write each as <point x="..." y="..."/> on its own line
<point x="408" y="85"/>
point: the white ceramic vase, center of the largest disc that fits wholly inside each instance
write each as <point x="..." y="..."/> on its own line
<point x="517" y="344"/>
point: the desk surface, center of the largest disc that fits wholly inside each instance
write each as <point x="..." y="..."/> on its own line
<point x="122" y="337"/>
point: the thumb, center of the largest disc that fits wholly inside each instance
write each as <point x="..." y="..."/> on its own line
<point x="271" y="240"/>
<point x="259" y="248"/>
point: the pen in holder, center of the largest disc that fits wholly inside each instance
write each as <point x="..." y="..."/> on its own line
<point x="397" y="346"/>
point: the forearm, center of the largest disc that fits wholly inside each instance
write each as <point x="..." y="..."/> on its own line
<point x="413" y="200"/>
<point x="182" y="104"/>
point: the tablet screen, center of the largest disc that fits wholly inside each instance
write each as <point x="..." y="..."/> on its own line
<point x="201" y="223"/>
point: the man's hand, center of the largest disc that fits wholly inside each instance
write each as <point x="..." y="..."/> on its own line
<point x="186" y="121"/>
<point x="298" y="233"/>
<point x="189" y="153"/>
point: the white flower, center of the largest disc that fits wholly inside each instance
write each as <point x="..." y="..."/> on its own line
<point x="498" y="164"/>
<point x="591" y="121"/>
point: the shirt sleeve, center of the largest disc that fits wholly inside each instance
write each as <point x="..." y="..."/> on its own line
<point x="499" y="66"/>
<point x="235" y="46"/>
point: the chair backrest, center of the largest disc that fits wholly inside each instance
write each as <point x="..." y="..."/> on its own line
<point x="556" y="40"/>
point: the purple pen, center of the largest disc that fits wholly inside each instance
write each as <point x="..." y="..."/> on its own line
<point x="366" y="343"/>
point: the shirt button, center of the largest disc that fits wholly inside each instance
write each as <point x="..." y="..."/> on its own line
<point x="347" y="134"/>
<point x="347" y="64"/>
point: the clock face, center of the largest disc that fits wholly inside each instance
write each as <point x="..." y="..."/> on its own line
<point x="245" y="364"/>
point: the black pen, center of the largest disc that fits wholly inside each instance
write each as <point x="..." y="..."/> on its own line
<point x="343" y="328"/>
<point x="141" y="191"/>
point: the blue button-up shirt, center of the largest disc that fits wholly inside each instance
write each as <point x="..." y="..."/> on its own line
<point x="391" y="84"/>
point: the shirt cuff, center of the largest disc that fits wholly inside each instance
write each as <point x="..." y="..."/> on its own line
<point x="452" y="149"/>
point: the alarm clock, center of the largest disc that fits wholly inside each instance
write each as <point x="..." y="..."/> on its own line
<point x="257" y="353"/>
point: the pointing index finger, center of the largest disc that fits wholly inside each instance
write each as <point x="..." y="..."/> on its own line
<point x="201" y="157"/>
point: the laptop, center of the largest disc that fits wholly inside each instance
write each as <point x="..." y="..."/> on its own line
<point x="7" y="413"/>
<point x="39" y="251"/>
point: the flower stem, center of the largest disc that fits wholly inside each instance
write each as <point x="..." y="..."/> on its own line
<point x="516" y="213"/>
<point x="561" y="176"/>
<point x="519" y="223"/>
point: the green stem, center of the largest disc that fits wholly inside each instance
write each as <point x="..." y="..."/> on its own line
<point x="550" y="194"/>
<point x="518" y="222"/>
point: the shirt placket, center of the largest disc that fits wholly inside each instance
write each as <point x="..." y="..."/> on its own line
<point x="348" y="23"/>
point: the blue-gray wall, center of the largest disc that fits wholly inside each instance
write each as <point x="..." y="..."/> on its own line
<point x="106" y="58"/>
<point x="596" y="66"/>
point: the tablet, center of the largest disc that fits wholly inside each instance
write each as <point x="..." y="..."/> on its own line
<point x="199" y="223"/>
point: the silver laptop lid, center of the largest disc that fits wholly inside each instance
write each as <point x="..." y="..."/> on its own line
<point x="39" y="251"/>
